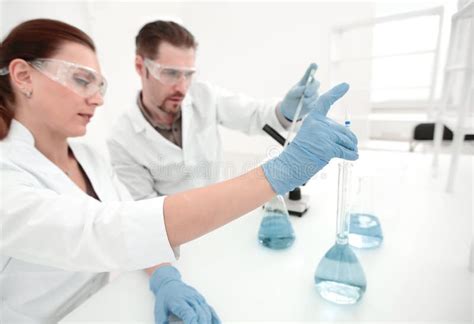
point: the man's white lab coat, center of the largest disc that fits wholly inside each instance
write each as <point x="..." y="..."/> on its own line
<point x="149" y="164"/>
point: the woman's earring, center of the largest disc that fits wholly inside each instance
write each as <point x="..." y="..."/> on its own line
<point x="28" y="93"/>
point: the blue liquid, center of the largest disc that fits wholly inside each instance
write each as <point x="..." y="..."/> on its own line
<point x="339" y="277"/>
<point x="365" y="231"/>
<point x="276" y="232"/>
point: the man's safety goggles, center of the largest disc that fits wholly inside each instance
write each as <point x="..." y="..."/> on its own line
<point x="82" y="80"/>
<point x="169" y="75"/>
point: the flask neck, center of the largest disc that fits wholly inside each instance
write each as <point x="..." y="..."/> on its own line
<point x="276" y="206"/>
<point x="343" y="189"/>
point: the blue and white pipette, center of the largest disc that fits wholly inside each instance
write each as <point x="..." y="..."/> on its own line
<point x="298" y="109"/>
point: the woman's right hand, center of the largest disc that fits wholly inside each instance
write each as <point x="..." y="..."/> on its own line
<point x="318" y="141"/>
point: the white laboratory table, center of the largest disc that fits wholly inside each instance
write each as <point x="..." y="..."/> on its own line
<point x="419" y="275"/>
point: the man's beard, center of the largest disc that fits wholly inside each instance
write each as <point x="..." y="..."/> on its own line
<point x="172" y="103"/>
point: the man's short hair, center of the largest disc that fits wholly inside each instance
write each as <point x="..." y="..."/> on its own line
<point x="154" y="33"/>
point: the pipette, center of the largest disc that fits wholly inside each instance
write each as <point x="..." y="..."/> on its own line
<point x="298" y="109"/>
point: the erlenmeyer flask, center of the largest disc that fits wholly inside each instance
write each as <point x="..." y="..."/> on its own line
<point x="365" y="230"/>
<point x="275" y="230"/>
<point x="339" y="276"/>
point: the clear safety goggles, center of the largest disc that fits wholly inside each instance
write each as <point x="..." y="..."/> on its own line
<point x="169" y="75"/>
<point x="83" y="80"/>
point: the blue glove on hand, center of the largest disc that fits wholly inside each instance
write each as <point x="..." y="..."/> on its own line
<point x="292" y="98"/>
<point x="318" y="141"/>
<point x="172" y="296"/>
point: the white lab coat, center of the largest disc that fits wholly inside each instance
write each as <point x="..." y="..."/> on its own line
<point x="57" y="242"/>
<point x="149" y="164"/>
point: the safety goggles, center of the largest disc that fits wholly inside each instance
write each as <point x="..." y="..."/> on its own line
<point x="82" y="80"/>
<point x="169" y="75"/>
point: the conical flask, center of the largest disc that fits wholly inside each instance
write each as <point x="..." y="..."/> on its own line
<point x="339" y="276"/>
<point x="365" y="230"/>
<point x="276" y="231"/>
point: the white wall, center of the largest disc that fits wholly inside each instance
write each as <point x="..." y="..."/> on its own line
<point x="260" y="49"/>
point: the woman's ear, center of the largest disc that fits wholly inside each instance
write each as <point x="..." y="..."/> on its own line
<point x="20" y="75"/>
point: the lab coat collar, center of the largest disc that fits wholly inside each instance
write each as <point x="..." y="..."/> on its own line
<point x="186" y="119"/>
<point x="19" y="132"/>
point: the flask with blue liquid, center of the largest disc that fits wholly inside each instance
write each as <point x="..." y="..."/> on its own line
<point x="365" y="230"/>
<point x="276" y="231"/>
<point x="339" y="276"/>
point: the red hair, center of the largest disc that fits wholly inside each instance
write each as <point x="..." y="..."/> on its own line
<point x="30" y="40"/>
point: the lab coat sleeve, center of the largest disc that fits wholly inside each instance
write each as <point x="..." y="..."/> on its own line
<point x="77" y="232"/>
<point x="249" y="115"/>
<point x="132" y="174"/>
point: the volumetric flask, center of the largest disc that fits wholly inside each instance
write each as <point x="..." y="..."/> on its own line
<point x="365" y="230"/>
<point x="275" y="230"/>
<point x="339" y="276"/>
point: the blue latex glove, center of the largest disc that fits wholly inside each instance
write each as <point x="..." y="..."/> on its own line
<point x="318" y="141"/>
<point x="292" y="98"/>
<point x="173" y="296"/>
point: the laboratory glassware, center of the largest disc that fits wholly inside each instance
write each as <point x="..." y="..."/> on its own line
<point x="276" y="231"/>
<point x="298" y="110"/>
<point x="365" y="230"/>
<point x="339" y="276"/>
